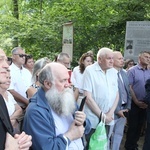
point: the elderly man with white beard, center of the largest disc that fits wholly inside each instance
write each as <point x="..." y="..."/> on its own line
<point x="51" y="116"/>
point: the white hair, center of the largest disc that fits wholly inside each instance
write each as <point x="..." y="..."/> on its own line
<point x="62" y="103"/>
<point x="103" y="52"/>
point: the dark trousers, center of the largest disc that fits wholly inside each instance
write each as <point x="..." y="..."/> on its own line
<point x="137" y="117"/>
<point x="146" y="145"/>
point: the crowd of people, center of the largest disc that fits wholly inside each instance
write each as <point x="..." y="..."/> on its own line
<point x="39" y="101"/>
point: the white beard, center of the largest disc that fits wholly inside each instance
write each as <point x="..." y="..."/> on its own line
<point x="62" y="103"/>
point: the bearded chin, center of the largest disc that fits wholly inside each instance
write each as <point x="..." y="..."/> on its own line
<point x="62" y="103"/>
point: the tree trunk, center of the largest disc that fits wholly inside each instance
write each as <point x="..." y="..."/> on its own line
<point x="16" y="15"/>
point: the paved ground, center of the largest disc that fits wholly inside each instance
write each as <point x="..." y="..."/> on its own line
<point x="140" y="143"/>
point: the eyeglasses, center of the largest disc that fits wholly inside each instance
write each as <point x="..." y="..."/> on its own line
<point x="21" y="55"/>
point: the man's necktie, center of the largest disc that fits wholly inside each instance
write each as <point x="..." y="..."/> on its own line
<point x="122" y="89"/>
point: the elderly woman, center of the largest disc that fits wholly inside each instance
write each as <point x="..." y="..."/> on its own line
<point x="39" y="64"/>
<point x="14" y="110"/>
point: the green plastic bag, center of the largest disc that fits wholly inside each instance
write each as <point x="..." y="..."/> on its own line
<point x="98" y="140"/>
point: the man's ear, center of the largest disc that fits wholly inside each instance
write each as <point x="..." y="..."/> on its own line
<point x="99" y="59"/>
<point x="13" y="56"/>
<point x="47" y="84"/>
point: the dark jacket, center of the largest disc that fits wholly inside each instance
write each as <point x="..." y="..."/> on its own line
<point x="147" y="99"/>
<point x="5" y="124"/>
<point x="147" y="88"/>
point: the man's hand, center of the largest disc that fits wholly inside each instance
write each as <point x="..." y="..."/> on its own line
<point x="74" y="132"/>
<point x="80" y="117"/>
<point x="24" y="141"/>
<point x="120" y="113"/>
<point x="141" y="104"/>
<point x="109" y="117"/>
<point x="11" y="143"/>
<point x="18" y="142"/>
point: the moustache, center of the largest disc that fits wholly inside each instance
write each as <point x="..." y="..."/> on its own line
<point x="2" y="82"/>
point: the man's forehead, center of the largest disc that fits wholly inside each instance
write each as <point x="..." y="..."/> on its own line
<point x="108" y="55"/>
<point x="67" y="60"/>
<point x="61" y="73"/>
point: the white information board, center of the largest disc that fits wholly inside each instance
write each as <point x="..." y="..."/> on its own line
<point x="137" y="38"/>
<point x="67" y="42"/>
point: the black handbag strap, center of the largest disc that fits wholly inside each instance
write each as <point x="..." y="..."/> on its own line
<point x="100" y="117"/>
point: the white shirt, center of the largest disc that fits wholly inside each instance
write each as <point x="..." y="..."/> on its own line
<point x="103" y="87"/>
<point x="77" y="79"/>
<point x="20" y="80"/>
<point x="73" y="76"/>
<point x="10" y="103"/>
<point x="62" y="124"/>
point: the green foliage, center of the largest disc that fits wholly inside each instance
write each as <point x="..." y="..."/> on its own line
<point x="97" y="23"/>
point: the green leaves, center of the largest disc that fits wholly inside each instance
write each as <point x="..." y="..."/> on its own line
<point x="97" y="23"/>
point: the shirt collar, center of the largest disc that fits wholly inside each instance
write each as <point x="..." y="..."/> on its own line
<point x="16" y="67"/>
<point x="97" y="66"/>
<point x="41" y="99"/>
<point x="140" y="67"/>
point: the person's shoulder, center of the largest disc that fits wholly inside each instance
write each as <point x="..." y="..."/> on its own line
<point x="112" y="71"/>
<point x="10" y="95"/>
<point x="34" y="98"/>
<point x="13" y="68"/>
<point x="76" y="68"/>
<point x="123" y="71"/>
<point x="133" y="68"/>
<point x="26" y="70"/>
<point x="32" y="106"/>
<point x="93" y="66"/>
<point x="38" y="98"/>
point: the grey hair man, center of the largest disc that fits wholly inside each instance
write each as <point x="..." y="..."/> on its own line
<point x="50" y="117"/>
<point x="101" y="88"/>
<point x="64" y="59"/>
<point x="20" y="77"/>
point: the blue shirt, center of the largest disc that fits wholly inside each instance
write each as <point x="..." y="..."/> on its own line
<point x="137" y="79"/>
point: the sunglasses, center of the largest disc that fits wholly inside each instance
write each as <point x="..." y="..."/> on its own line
<point x="21" y="55"/>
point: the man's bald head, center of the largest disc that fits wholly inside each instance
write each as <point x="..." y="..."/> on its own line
<point x="58" y="69"/>
<point x="54" y="72"/>
<point x="118" y="60"/>
<point x="117" y="53"/>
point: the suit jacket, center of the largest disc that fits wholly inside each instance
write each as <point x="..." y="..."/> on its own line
<point x="5" y="124"/>
<point x="147" y="99"/>
<point x="126" y="83"/>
